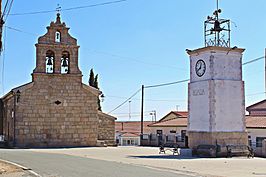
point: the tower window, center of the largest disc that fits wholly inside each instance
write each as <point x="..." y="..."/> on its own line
<point x="49" y="61"/>
<point x="65" y="63"/>
<point x="57" y="36"/>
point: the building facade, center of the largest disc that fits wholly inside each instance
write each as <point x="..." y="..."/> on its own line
<point x="128" y="132"/>
<point x="216" y="97"/>
<point x="256" y="127"/>
<point x="172" y="129"/>
<point x="56" y="109"/>
<point x="169" y="130"/>
<point x="216" y="100"/>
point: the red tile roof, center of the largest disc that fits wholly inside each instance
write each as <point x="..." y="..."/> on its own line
<point x="130" y="135"/>
<point x="251" y="122"/>
<point x="178" y="122"/>
<point x="181" y="113"/>
<point x="176" y="113"/>
<point x="255" y="122"/>
<point x="132" y="126"/>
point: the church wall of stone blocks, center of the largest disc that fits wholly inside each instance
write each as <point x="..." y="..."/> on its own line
<point x="56" y="109"/>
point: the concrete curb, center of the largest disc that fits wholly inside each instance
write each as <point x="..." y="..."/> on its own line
<point x="22" y="167"/>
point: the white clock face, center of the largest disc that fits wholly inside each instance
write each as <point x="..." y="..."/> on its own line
<point x="200" y="68"/>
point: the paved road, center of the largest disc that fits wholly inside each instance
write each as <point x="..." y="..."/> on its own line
<point x="60" y="165"/>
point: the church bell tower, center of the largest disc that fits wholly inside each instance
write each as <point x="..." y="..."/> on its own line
<point x="216" y="90"/>
<point x="57" y="52"/>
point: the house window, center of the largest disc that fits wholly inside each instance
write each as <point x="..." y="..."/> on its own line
<point x="172" y="131"/>
<point x="57" y="36"/>
<point x="159" y="132"/>
<point x="145" y="136"/>
<point x="259" y="141"/>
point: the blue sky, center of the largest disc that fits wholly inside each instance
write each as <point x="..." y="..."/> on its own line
<point x="133" y="43"/>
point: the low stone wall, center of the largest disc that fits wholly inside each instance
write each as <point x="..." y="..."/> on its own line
<point x="106" y="129"/>
<point x="217" y="138"/>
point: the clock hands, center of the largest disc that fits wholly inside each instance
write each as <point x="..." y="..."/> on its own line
<point x="200" y="68"/>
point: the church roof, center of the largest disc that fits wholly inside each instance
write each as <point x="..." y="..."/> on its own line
<point x="20" y="88"/>
<point x="66" y="38"/>
<point x="106" y="115"/>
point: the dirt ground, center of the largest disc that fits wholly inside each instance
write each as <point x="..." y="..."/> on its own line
<point x="6" y="168"/>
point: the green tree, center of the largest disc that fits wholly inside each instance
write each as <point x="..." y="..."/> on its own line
<point x="95" y="84"/>
<point x="93" y="81"/>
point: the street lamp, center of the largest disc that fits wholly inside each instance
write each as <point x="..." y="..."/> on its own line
<point x="153" y="115"/>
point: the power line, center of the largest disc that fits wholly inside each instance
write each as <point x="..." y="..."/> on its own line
<point x="125" y="101"/>
<point x="107" y="53"/>
<point x="252" y="94"/>
<point x="132" y="59"/>
<point x="21" y="31"/>
<point x="9" y="9"/>
<point x="166" y="84"/>
<point x="165" y="100"/>
<point x="254" y="60"/>
<point x="69" y="9"/>
<point x="133" y="113"/>
<point x="146" y="115"/>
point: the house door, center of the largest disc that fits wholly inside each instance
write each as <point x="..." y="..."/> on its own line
<point x="160" y="137"/>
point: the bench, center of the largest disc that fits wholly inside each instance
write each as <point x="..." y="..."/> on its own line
<point x="174" y="149"/>
<point x="239" y="150"/>
<point x="207" y="150"/>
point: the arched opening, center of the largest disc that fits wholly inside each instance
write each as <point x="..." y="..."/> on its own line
<point x="65" y="63"/>
<point x="57" y="36"/>
<point x="49" y="61"/>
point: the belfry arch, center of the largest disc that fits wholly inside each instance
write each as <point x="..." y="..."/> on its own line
<point x="65" y="62"/>
<point x="49" y="61"/>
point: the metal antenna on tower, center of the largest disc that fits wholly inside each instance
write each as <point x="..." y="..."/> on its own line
<point x="217" y="30"/>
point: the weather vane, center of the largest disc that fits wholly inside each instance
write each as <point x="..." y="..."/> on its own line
<point x="217" y="30"/>
<point x="58" y="9"/>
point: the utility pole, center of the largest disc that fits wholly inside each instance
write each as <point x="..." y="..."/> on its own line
<point x="129" y="109"/>
<point x="141" y="114"/>
<point x="154" y="115"/>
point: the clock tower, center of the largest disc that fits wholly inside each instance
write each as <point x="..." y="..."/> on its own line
<point x="216" y="90"/>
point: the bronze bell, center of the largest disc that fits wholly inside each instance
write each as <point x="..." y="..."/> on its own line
<point x="217" y="26"/>
<point x="64" y="63"/>
<point x="49" y="63"/>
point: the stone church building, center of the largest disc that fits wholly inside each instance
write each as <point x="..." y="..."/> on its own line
<point x="56" y="109"/>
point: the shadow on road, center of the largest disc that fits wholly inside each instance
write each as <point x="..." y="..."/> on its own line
<point x="178" y="157"/>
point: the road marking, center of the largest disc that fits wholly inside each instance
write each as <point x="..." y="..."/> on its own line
<point x="22" y="167"/>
